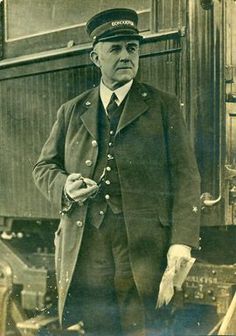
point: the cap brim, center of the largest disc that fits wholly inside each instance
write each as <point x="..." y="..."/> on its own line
<point x="120" y="37"/>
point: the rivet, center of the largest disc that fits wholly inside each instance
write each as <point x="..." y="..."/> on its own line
<point x="87" y="103"/>
<point x="144" y="94"/>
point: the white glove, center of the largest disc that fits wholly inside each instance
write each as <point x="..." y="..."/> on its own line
<point x="79" y="188"/>
<point x="178" y="254"/>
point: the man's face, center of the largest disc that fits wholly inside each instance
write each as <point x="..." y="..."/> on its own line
<point x="118" y="61"/>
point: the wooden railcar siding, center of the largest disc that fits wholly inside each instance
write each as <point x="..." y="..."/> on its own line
<point x="205" y="106"/>
<point x="170" y="14"/>
<point x="28" y="109"/>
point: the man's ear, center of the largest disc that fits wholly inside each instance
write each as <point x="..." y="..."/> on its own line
<point x="95" y="58"/>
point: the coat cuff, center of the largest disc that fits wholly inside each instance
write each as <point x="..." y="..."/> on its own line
<point x="66" y="203"/>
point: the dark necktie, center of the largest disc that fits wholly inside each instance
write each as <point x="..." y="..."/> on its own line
<point x="112" y="106"/>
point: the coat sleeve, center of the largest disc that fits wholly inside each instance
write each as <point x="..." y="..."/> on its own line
<point x="184" y="177"/>
<point x="49" y="173"/>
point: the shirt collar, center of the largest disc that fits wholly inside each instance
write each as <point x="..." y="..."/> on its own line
<point x="121" y="92"/>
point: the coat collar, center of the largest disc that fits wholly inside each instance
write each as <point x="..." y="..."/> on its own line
<point x="135" y="105"/>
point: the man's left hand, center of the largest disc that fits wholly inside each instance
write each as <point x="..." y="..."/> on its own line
<point x="178" y="254"/>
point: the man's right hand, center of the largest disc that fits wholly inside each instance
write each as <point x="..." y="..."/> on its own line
<point x="80" y="188"/>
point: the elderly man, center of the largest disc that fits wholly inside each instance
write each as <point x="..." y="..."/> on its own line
<point x="119" y="167"/>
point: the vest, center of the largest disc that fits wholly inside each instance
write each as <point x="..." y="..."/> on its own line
<point x="106" y="173"/>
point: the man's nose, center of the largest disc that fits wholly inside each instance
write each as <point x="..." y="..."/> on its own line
<point x="124" y="55"/>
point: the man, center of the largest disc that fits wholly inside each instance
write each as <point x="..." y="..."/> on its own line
<point x="119" y="166"/>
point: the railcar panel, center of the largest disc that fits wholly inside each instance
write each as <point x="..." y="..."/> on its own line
<point x="28" y="110"/>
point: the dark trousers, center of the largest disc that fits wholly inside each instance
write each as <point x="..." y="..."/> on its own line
<point x="103" y="294"/>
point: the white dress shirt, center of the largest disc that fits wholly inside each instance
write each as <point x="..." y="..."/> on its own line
<point x="121" y="93"/>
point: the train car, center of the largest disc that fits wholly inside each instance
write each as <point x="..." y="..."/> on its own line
<point x="189" y="49"/>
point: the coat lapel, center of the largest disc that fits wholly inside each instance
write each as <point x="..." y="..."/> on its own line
<point x="134" y="106"/>
<point x="89" y="116"/>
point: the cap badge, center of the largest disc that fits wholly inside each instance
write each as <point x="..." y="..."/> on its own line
<point x="122" y="22"/>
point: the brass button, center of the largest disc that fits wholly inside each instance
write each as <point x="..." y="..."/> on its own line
<point x="79" y="223"/>
<point x="111" y="132"/>
<point x="88" y="163"/>
<point x="108" y="182"/>
<point x="107" y="197"/>
<point x="108" y="168"/>
<point x="110" y="144"/>
<point x="94" y="143"/>
<point x="101" y="213"/>
<point x="88" y="103"/>
<point x="195" y="209"/>
<point x="110" y="157"/>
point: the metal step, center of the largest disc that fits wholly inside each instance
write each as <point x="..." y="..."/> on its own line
<point x="42" y="321"/>
<point x="36" y="323"/>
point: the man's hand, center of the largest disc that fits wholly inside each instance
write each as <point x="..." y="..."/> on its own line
<point x="178" y="254"/>
<point x="177" y="257"/>
<point x="80" y="188"/>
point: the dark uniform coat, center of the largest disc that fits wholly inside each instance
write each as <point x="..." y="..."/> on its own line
<point x="158" y="176"/>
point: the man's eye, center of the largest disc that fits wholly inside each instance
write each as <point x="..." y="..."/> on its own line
<point x="115" y="49"/>
<point x="132" y="49"/>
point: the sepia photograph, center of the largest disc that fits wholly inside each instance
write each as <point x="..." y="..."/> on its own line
<point x="117" y="167"/>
